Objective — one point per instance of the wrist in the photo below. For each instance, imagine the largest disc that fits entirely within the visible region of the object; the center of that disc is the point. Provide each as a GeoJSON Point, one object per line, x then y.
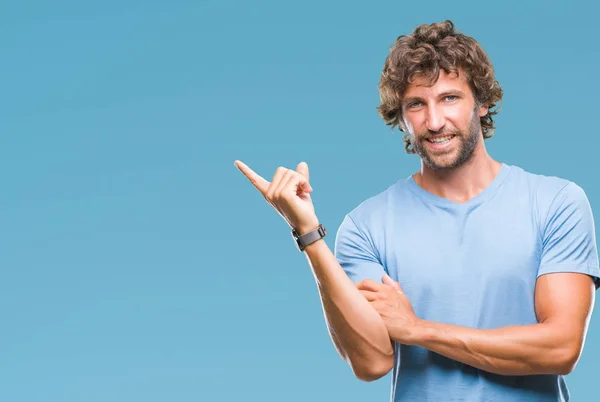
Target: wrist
{"type": "Point", "coordinates": [307, 226]}
{"type": "Point", "coordinates": [314, 246]}
{"type": "Point", "coordinates": [307, 234]}
{"type": "Point", "coordinates": [418, 333]}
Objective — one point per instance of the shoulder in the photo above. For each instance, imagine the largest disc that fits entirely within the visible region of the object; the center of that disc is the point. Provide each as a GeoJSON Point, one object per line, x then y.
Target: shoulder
{"type": "Point", "coordinates": [538, 182]}
{"type": "Point", "coordinates": [549, 192]}
{"type": "Point", "coordinates": [378, 207]}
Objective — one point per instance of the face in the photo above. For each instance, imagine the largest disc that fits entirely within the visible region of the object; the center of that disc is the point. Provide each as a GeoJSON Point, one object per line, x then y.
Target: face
{"type": "Point", "coordinates": [443, 121]}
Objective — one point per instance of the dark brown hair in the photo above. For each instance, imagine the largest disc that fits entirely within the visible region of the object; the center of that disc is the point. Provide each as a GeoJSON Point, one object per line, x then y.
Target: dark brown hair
{"type": "Point", "coordinates": [423, 53]}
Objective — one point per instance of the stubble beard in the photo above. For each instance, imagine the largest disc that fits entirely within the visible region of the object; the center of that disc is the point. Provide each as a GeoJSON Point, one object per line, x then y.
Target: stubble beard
{"type": "Point", "coordinates": [467, 143]}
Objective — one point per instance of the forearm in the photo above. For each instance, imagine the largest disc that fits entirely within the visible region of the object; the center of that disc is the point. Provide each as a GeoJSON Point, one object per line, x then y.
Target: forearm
{"type": "Point", "coordinates": [357, 331]}
{"type": "Point", "coordinates": [544, 348]}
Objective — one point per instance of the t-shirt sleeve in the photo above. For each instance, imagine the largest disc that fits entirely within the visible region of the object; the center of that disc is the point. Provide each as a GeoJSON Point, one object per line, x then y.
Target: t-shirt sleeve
{"type": "Point", "coordinates": [356, 254]}
{"type": "Point", "coordinates": [568, 235]}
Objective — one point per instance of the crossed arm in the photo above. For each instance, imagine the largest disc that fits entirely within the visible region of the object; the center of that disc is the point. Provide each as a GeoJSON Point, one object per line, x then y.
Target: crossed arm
{"type": "Point", "coordinates": [563, 303]}
{"type": "Point", "coordinates": [364, 318]}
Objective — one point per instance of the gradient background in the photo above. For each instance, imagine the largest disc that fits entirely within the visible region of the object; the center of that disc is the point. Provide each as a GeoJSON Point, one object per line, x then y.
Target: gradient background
{"type": "Point", "coordinates": [138, 264]}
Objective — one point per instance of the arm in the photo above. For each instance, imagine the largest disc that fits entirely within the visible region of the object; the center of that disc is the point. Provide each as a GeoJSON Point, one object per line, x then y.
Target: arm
{"type": "Point", "coordinates": [357, 331]}
{"type": "Point", "coordinates": [564, 299]}
{"type": "Point", "coordinates": [564, 302]}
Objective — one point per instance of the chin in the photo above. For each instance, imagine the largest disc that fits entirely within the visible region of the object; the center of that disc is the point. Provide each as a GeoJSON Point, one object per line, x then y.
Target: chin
{"type": "Point", "coordinates": [439, 167]}
{"type": "Point", "coordinates": [452, 161]}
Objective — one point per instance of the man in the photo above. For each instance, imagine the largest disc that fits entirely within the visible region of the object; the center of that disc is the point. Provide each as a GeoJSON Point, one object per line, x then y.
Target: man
{"type": "Point", "coordinates": [471, 280]}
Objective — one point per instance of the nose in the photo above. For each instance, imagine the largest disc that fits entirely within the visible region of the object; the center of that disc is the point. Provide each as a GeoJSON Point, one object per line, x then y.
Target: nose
{"type": "Point", "coordinates": [435, 119]}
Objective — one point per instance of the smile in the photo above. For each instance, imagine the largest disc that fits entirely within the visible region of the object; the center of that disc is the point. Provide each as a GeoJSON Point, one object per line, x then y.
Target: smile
{"type": "Point", "coordinates": [440, 140]}
{"type": "Point", "coordinates": [440, 143]}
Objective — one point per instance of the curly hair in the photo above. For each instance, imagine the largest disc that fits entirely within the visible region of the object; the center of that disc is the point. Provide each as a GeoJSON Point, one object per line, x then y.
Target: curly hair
{"type": "Point", "coordinates": [423, 53]}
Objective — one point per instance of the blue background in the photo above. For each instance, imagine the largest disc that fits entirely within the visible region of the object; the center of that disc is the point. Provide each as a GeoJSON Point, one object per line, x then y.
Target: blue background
{"type": "Point", "coordinates": [138, 264]}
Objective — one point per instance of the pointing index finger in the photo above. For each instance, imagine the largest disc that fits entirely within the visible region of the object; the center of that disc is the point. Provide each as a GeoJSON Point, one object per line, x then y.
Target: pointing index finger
{"type": "Point", "coordinates": [257, 181]}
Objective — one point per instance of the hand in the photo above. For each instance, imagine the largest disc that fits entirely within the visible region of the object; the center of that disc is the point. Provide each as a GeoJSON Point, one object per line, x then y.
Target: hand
{"type": "Point", "coordinates": [393, 306]}
{"type": "Point", "coordinates": [288, 193]}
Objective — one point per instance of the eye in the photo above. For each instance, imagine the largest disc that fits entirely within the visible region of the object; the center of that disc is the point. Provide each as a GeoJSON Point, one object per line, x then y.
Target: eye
{"type": "Point", "coordinates": [451, 98]}
{"type": "Point", "coordinates": [413, 105]}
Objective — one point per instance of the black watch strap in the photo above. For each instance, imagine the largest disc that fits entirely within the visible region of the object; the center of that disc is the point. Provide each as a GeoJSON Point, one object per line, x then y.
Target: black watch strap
{"type": "Point", "coordinates": [308, 238]}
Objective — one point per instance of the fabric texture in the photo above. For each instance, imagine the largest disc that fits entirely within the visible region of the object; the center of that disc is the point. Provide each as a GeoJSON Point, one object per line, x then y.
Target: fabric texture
{"type": "Point", "coordinates": [473, 264]}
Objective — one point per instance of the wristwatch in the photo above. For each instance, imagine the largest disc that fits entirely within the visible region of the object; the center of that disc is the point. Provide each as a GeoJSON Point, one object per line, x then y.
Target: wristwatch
{"type": "Point", "coordinates": [308, 238]}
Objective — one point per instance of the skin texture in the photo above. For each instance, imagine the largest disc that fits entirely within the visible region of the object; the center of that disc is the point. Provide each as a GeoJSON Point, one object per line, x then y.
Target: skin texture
{"type": "Point", "coordinates": [464, 168]}
{"type": "Point", "coordinates": [563, 304]}
{"type": "Point", "coordinates": [364, 318]}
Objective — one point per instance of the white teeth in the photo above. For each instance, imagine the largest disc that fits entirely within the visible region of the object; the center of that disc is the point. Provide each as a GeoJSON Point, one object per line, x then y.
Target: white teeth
{"type": "Point", "coordinates": [441, 139]}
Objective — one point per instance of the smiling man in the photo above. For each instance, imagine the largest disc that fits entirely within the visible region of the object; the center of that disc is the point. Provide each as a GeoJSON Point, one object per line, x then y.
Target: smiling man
{"type": "Point", "coordinates": [469, 280]}
{"type": "Point", "coordinates": [439, 133]}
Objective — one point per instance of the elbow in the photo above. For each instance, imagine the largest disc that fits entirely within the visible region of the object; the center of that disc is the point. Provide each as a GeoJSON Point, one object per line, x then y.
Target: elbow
{"type": "Point", "coordinates": [374, 370]}
{"type": "Point", "coordinates": [565, 368]}
{"type": "Point", "coordinates": [567, 364]}
{"type": "Point", "coordinates": [566, 359]}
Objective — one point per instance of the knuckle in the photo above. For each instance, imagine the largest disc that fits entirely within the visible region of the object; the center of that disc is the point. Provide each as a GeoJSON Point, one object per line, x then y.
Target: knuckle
{"type": "Point", "coordinates": [269, 194]}
{"type": "Point", "coordinates": [284, 196]}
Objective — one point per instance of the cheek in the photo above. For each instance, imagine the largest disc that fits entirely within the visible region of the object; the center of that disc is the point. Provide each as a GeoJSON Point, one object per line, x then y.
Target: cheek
{"type": "Point", "coordinates": [456, 114]}
{"type": "Point", "coordinates": [458, 121]}
{"type": "Point", "coordinates": [413, 122]}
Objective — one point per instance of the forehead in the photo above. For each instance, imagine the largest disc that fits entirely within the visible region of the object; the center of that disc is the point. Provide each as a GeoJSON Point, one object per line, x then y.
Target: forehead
{"type": "Point", "coordinates": [445, 82]}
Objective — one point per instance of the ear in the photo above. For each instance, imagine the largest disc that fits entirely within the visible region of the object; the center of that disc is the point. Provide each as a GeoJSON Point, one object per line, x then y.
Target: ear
{"type": "Point", "coordinates": [402, 124]}
{"type": "Point", "coordinates": [483, 110]}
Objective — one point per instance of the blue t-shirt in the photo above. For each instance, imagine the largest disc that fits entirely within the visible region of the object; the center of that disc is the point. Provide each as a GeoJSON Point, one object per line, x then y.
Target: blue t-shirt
{"type": "Point", "coordinates": [473, 264]}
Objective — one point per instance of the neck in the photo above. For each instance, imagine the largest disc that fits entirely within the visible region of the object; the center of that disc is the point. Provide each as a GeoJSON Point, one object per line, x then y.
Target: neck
{"type": "Point", "coordinates": [462, 183]}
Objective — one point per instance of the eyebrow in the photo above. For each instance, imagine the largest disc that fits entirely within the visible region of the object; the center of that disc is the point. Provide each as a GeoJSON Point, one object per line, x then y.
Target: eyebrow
{"type": "Point", "coordinates": [450, 92]}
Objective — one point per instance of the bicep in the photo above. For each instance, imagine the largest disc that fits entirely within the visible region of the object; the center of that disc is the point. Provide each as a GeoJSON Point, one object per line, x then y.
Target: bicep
{"type": "Point", "coordinates": [569, 271]}
{"type": "Point", "coordinates": [565, 299]}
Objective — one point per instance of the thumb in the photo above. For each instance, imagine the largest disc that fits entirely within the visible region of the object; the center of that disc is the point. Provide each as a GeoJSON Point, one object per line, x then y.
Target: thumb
{"type": "Point", "coordinates": [389, 281]}
{"type": "Point", "coordinates": [302, 168]}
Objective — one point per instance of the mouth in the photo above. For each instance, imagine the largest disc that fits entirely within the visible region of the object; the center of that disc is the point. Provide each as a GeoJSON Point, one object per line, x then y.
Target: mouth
{"type": "Point", "coordinates": [440, 141]}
